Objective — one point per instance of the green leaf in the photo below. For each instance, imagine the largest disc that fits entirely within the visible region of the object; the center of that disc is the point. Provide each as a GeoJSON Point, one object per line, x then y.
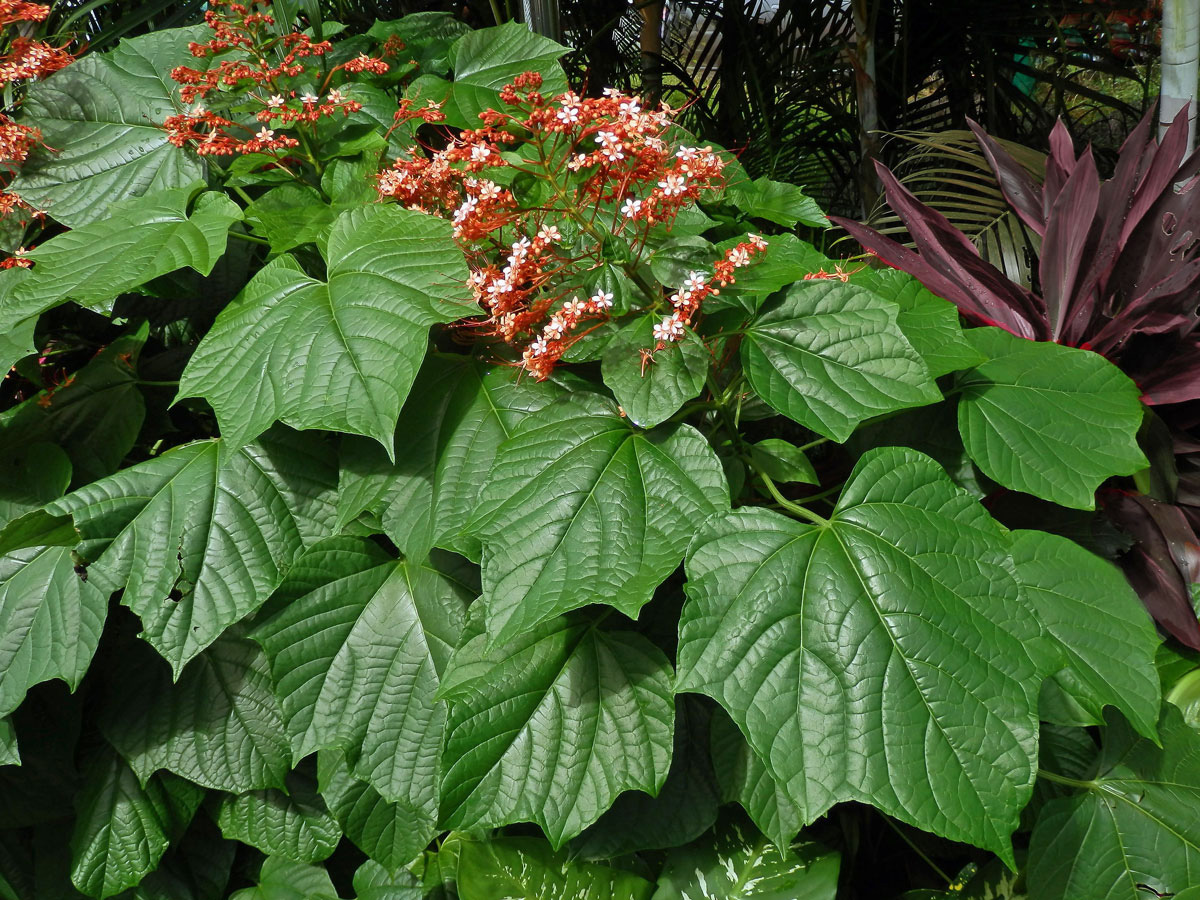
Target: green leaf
{"type": "Point", "coordinates": [678, 257]}
{"type": "Point", "coordinates": [929, 322]}
{"type": "Point", "coordinates": [1106, 637]}
{"type": "Point", "coordinates": [745, 780]}
{"type": "Point", "coordinates": [197, 867]}
{"type": "Point", "coordinates": [16, 342]}
{"type": "Point", "coordinates": [356, 340]}
{"type": "Point", "coordinates": [218, 726]}
{"type": "Point", "coordinates": [290, 215]}
{"type": "Point", "coordinates": [684, 809]}
{"type": "Point", "coordinates": [50, 620]}
{"type": "Point", "coordinates": [786, 260]}
{"type": "Point", "coordinates": [95, 417]}
{"type": "Point", "coordinates": [778, 202]}
{"type": "Point", "coordinates": [37, 528]}
{"type": "Point", "coordinates": [380, 829]}
{"type": "Point", "coordinates": [356, 654]}
{"type": "Point", "coordinates": [457, 415]}
{"type": "Point", "coordinates": [519, 868]}
{"type": "Point", "coordinates": [487, 59]}
{"type": "Point", "coordinates": [295, 825]}
{"type": "Point", "coordinates": [883, 657]}
{"type": "Point", "coordinates": [783, 461]}
{"type": "Point", "coordinates": [137, 243]}
{"type": "Point", "coordinates": [200, 536]}
{"type": "Point", "coordinates": [123, 828]}
{"type": "Point", "coordinates": [650, 390]}
{"type": "Point", "coordinates": [552, 726]}
{"type": "Point", "coordinates": [282, 879]}
{"type": "Point", "coordinates": [555, 489]}
{"type": "Point", "coordinates": [9, 754]}
{"type": "Point", "coordinates": [831, 355]}
{"type": "Point", "coordinates": [1136, 822]}
{"type": "Point", "coordinates": [102, 116]}
{"type": "Point", "coordinates": [373, 882]}
{"type": "Point", "coordinates": [1048, 420]}
{"type": "Point", "coordinates": [735, 863]}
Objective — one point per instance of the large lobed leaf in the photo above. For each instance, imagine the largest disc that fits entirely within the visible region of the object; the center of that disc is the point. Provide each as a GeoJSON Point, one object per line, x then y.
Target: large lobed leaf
{"type": "Point", "coordinates": [102, 115]}
{"type": "Point", "coordinates": [553, 725]}
{"type": "Point", "coordinates": [881, 657]}
{"type": "Point", "coordinates": [339, 354]}
{"type": "Point", "coordinates": [1049, 420]}
{"type": "Point", "coordinates": [582, 508]}
{"type": "Point", "coordinates": [200, 536]}
{"type": "Point", "coordinates": [831, 355]}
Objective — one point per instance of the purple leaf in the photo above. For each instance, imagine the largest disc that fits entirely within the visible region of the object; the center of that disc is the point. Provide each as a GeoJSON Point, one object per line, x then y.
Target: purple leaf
{"type": "Point", "coordinates": [1175, 380]}
{"type": "Point", "coordinates": [1023, 194]}
{"type": "Point", "coordinates": [1067, 230]}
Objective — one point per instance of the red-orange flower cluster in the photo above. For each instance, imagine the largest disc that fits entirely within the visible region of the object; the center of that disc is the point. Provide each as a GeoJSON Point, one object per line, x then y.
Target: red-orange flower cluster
{"type": "Point", "coordinates": [32, 59]}
{"type": "Point", "coordinates": [16, 140]}
{"type": "Point", "coordinates": [609, 173]}
{"type": "Point", "coordinates": [212, 135]}
{"type": "Point", "coordinates": [15, 11]}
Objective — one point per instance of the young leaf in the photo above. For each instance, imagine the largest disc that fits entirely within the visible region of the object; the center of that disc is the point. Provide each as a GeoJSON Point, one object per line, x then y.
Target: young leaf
{"type": "Point", "coordinates": [356, 656]}
{"type": "Point", "coordinates": [929, 322]}
{"type": "Point", "coordinates": [338, 354]}
{"type": "Point", "coordinates": [650, 390]}
{"type": "Point", "coordinates": [219, 726]}
{"type": "Point", "coordinates": [123, 828]}
{"type": "Point", "coordinates": [384, 831]}
{"type": "Point", "coordinates": [1136, 822]}
{"type": "Point", "coordinates": [294, 825]}
{"type": "Point", "coordinates": [778, 202]}
{"type": "Point", "coordinates": [101, 115]}
{"type": "Point", "coordinates": [831, 355]}
{"type": "Point", "coordinates": [556, 488]}
{"type": "Point", "coordinates": [1048, 420]}
{"type": "Point", "coordinates": [200, 536]}
{"type": "Point", "coordinates": [455, 418]}
{"type": "Point", "coordinates": [518, 868]}
{"type": "Point", "coordinates": [889, 617]}
{"type": "Point", "coordinates": [737, 864]}
{"type": "Point", "coordinates": [1106, 636]}
{"type": "Point", "coordinates": [282, 879]}
{"type": "Point", "coordinates": [141, 240]}
{"type": "Point", "coordinates": [51, 621]}
{"type": "Point", "coordinates": [552, 726]}
{"type": "Point", "coordinates": [783, 462]}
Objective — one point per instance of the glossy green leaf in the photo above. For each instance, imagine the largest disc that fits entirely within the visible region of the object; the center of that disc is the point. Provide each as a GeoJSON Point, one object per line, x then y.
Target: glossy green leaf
{"type": "Point", "coordinates": [356, 654]}
{"type": "Point", "coordinates": [557, 487]}
{"type": "Point", "coordinates": [137, 242]}
{"type": "Point", "coordinates": [929, 322]}
{"type": "Point", "coordinates": [487, 59]}
{"type": "Point", "coordinates": [831, 355]}
{"type": "Point", "coordinates": [16, 342]}
{"type": "Point", "coordinates": [295, 825]}
{"type": "Point", "coordinates": [457, 415]}
{"type": "Point", "coordinates": [290, 215]}
{"type": "Point", "coordinates": [218, 726]}
{"type": "Point", "coordinates": [881, 657]}
{"type": "Point", "coordinates": [50, 622]}
{"type": "Point", "coordinates": [778, 202]}
{"type": "Point", "coordinates": [373, 882]}
{"type": "Point", "coordinates": [95, 417]}
{"type": "Point", "coordinates": [651, 388]}
{"type": "Point", "coordinates": [282, 879]}
{"type": "Point", "coordinates": [782, 461]}
{"type": "Point", "coordinates": [9, 753]}
{"type": "Point", "coordinates": [200, 536]}
{"type": "Point", "coordinates": [786, 260]}
{"type": "Point", "coordinates": [1105, 634]}
{"type": "Point", "coordinates": [339, 354]}
{"type": "Point", "coordinates": [1049, 420]}
{"type": "Point", "coordinates": [102, 116]}
{"type": "Point", "coordinates": [123, 828]}
{"type": "Point", "coordinates": [744, 779]}
{"type": "Point", "coordinates": [552, 726]}
{"type": "Point", "coordinates": [736, 863]}
{"type": "Point", "coordinates": [517, 868]}
{"type": "Point", "coordinates": [384, 831]}
{"type": "Point", "coordinates": [1135, 822]}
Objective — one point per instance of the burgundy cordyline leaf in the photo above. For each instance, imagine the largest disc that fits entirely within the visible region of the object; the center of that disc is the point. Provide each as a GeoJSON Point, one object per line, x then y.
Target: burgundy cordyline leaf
{"type": "Point", "coordinates": [1067, 229]}
{"type": "Point", "coordinates": [1021, 191]}
{"type": "Point", "coordinates": [1175, 380]}
{"type": "Point", "coordinates": [1162, 172]}
{"type": "Point", "coordinates": [1059, 165]}
{"type": "Point", "coordinates": [1168, 306]}
{"type": "Point", "coordinates": [1165, 560]}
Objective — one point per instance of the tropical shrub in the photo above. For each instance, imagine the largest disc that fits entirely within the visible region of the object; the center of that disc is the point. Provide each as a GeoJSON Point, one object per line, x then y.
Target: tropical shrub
{"type": "Point", "coordinates": [427, 481]}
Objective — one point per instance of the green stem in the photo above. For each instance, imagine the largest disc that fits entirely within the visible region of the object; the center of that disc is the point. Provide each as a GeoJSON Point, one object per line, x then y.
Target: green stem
{"type": "Point", "coordinates": [788, 504]}
{"type": "Point", "coordinates": [254, 239]}
{"type": "Point", "coordinates": [158, 383]}
{"type": "Point", "coordinates": [1063, 779]}
{"type": "Point", "coordinates": [921, 853]}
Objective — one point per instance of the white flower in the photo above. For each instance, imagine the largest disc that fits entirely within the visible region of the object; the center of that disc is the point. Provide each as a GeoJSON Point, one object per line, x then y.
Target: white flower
{"type": "Point", "coordinates": [336, 96]}
{"type": "Point", "coordinates": [538, 347]}
{"type": "Point", "coordinates": [489, 191]}
{"type": "Point", "coordinates": [308, 97]}
{"type": "Point", "coordinates": [602, 300]}
{"type": "Point", "coordinates": [687, 154]}
{"type": "Point", "coordinates": [673, 185]}
{"type": "Point", "coordinates": [739, 256]}
{"type": "Point", "coordinates": [631, 208]}
{"type": "Point", "coordinates": [265, 134]}
{"type": "Point", "coordinates": [275, 100]}
{"type": "Point", "coordinates": [669, 329]}
{"type": "Point", "coordinates": [554, 329]}
{"type": "Point", "coordinates": [549, 234]}
{"type": "Point", "coordinates": [630, 107]}
{"type": "Point", "coordinates": [758, 242]}
{"type": "Point", "coordinates": [574, 308]}
{"type": "Point", "coordinates": [695, 281]}
{"type": "Point", "coordinates": [468, 207]}
{"type": "Point", "coordinates": [480, 153]}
